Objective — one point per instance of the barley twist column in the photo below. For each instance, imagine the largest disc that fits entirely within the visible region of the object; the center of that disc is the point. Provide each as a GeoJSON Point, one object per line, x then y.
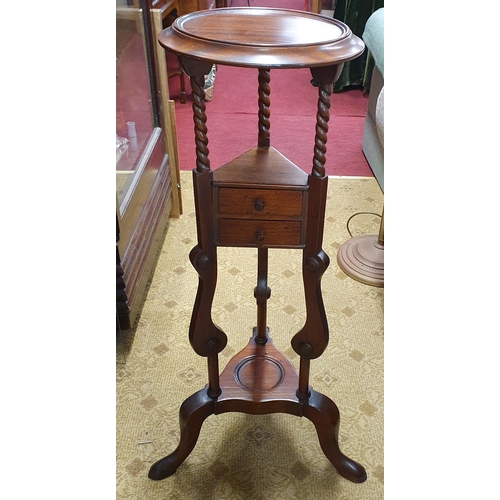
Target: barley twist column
{"type": "Point", "coordinates": [200, 120]}
{"type": "Point", "coordinates": [264, 110]}
{"type": "Point", "coordinates": [322, 118]}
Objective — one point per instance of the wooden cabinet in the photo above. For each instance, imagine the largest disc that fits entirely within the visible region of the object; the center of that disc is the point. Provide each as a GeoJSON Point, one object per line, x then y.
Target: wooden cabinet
{"type": "Point", "coordinates": [188, 6]}
{"type": "Point", "coordinates": [147, 170]}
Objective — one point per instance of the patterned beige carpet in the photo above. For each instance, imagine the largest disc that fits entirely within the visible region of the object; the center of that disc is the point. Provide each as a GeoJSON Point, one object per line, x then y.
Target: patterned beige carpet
{"type": "Point", "coordinates": [247, 457]}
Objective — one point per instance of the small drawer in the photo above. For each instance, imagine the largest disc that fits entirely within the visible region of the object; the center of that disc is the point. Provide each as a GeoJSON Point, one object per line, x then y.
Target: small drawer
{"type": "Point", "coordinates": [261, 203]}
{"type": "Point", "coordinates": [247, 232]}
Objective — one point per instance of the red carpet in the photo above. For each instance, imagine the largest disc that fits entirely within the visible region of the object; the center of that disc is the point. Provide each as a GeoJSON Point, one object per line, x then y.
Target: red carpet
{"type": "Point", "coordinates": [232, 120]}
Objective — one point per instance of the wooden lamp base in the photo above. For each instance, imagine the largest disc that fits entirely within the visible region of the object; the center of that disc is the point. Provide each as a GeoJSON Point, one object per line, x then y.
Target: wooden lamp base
{"type": "Point", "coordinates": [362, 258]}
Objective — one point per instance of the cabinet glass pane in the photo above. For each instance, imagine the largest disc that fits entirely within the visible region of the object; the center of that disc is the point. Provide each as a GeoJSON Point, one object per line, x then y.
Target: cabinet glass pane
{"type": "Point", "coordinates": [134, 115]}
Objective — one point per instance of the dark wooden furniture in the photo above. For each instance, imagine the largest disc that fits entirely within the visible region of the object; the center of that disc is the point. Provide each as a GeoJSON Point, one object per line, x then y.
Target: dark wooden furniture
{"type": "Point", "coordinates": [152, 193]}
{"type": "Point", "coordinates": [168, 10]}
{"type": "Point", "coordinates": [262, 200]}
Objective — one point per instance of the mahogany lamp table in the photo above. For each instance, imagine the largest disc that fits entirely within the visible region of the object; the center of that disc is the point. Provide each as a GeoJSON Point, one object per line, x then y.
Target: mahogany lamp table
{"type": "Point", "coordinates": [260, 200]}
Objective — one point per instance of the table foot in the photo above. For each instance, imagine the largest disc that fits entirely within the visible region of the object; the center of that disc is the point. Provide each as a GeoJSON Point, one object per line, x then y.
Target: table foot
{"type": "Point", "coordinates": [192, 414]}
{"type": "Point", "coordinates": [324, 414]}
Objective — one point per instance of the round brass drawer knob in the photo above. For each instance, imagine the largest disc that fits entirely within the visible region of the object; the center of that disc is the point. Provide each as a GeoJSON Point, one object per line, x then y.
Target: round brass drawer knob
{"type": "Point", "coordinates": [259, 236]}
{"type": "Point", "coordinates": [259, 204]}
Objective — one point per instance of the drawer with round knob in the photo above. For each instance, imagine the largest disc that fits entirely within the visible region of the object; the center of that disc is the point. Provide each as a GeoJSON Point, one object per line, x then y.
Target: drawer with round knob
{"type": "Point", "coordinates": [269, 233]}
{"type": "Point", "coordinates": [260, 203]}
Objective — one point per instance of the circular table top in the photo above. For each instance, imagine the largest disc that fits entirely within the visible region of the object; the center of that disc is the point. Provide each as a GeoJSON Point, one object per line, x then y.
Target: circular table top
{"type": "Point", "coordinates": [262, 37]}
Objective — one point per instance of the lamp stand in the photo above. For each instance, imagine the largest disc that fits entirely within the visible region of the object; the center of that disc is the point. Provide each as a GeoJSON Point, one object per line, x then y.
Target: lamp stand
{"type": "Point", "coordinates": [362, 258]}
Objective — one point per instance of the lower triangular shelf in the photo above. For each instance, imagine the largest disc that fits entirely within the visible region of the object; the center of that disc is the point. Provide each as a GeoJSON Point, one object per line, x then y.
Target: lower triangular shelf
{"type": "Point", "coordinates": [258, 380]}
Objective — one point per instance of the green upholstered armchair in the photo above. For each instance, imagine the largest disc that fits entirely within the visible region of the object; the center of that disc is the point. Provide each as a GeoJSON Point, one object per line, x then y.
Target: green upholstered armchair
{"type": "Point", "coordinates": [372, 143]}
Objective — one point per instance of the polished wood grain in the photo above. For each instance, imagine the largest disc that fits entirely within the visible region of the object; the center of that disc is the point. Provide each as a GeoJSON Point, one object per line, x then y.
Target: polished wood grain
{"type": "Point", "coordinates": [260, 380]}
{"type": "Point", "coordinates": [261, 203]}
{"type": "Point", "coordinates": [262, 38]}
{"type": "Point", "coordinates": [262, 200]}
{"type": "Point", "coordinates": [254, 233]}
{"type": "Point", "coordinates": [263, 167]}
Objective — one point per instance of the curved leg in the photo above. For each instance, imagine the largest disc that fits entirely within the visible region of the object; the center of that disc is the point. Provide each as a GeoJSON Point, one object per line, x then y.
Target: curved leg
{"type": "Point", "coordinates": [324, 414]}
{"type": "Point", "coordinates": [192, 414]}
{"type": "Point", "coordinates": [311, 341]}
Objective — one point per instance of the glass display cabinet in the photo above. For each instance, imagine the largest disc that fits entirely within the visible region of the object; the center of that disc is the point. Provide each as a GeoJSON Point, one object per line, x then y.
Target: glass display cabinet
{"type": "Point", "coordinates": [147, 170]}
